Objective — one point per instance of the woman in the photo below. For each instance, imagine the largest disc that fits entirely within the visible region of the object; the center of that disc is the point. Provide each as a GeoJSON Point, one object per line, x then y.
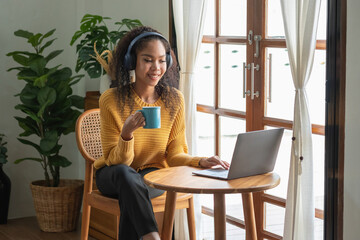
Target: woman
{"type": "Point", "coordinates": [130, 151]}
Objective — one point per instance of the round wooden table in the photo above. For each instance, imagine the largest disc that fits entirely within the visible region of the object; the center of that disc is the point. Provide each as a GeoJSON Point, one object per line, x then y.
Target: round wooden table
{"type": "Point", "coordinates": [181, 179]}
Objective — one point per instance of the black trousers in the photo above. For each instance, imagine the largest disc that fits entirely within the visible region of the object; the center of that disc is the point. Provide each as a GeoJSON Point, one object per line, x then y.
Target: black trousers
{"type": "Point", "coordinates": [124, 183]}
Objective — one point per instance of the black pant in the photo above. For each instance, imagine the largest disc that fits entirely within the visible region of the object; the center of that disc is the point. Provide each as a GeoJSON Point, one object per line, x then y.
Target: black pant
{"type": "Point", "coordinates": [136, 212]}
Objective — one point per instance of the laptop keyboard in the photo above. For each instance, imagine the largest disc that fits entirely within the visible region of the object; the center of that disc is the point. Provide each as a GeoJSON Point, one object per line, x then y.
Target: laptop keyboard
{"type": "Point", "coordinates": [218, 172]}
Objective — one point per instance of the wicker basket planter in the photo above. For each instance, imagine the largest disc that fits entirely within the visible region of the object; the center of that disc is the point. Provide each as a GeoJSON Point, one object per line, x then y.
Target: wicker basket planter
{"type": "Point", "coordinates": [57, 208]}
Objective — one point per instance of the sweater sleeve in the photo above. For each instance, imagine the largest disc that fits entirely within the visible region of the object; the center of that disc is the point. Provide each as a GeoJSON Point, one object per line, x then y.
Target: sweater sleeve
{"type": "Point", "coordinates": [115, 149]}
{"type": "Point", "coordinates": [177, 150]}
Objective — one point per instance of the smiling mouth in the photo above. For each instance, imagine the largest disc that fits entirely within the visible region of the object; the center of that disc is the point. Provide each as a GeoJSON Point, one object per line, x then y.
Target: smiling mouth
{"type": "Point", "coordinates": [154, 76]}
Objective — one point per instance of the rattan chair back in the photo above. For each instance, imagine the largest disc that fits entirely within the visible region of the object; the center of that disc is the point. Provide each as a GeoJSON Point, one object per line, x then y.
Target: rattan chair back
{"type": "Point", "coordinates": [89, 143]}
{"type": "Point", "coordinates": [88, 137]}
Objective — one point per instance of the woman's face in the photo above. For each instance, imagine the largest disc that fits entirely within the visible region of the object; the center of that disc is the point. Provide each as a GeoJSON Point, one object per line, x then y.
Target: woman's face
{"type": "Point", "coordinates": [150, 63]}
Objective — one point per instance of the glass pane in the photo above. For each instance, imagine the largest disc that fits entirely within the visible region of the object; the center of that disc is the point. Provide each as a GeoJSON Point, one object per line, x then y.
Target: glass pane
{"type": "Point", "coordinates": [232, 58]}
{"type": "Point", "coordinates": [274, 219]}
{"type": "Point", "coordinates": [204, 81]}
{"type": "Point", "coordinates": [275, 23]}
{"type": "Point", "coordinates": [321, 31]}
{"type": "Point", "coordinates": [206, 131]}
{"type": "Point", "coordinates": [275, 216]}
{"type": "Point", "coordinates": [319, 166]}
{"type": "Point", "coordinates": [316, 88]}
{"type": "Point", "coordinates": [233, 18]}
{"type": "Point", "coordinates": [209, 24]}
{"type": "Point", "coordinates": [282, 165]}
{"type": "Point", "coordinates": [282, 94]}
{"type": "Point", "coordinates": [229, 128]}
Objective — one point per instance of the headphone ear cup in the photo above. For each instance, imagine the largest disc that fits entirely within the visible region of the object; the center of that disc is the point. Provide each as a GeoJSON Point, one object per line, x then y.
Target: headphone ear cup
{"type": "Point", "coordinates": [169, 60]}
{"type": "Point", "coordinates": [129, 62]}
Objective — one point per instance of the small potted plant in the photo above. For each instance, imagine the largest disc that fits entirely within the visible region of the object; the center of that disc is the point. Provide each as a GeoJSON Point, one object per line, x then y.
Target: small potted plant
{"type": "Point", "coordinates": [5, 183]}
{"type": "Point", "coordinates": [50, 110]}
{"type": "Point", "coordinates": [96, 45]}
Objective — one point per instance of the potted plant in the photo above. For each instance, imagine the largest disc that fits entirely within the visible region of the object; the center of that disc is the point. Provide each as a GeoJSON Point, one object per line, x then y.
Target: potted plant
{"type": "Point", "coordinates": [51, 110]}
{"type": "Point", "coordinates": [97, 43]}
{"type": "Point", "coordinates": [5, 183]}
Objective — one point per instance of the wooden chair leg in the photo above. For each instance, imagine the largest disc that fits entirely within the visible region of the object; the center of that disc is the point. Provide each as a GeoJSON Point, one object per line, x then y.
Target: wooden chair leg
{"type": "Point", "coordinates": [191, 219]}
{"type": "Point", "coordinates": [85, 221]}
{"type": "Point", "coordinates": [169, 215]}
{"type": "Point", "coordinates": [117, 228]}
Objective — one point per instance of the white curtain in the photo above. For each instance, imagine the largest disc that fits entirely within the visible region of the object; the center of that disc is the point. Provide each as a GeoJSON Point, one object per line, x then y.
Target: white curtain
{"type": "Point", "coordinates": [300, 22]}
{"type": "Point", "coordinates": [189, 16]}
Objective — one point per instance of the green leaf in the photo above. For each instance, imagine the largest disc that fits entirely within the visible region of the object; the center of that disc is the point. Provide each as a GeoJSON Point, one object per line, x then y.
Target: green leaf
{"type": "Point", "coordinates": [28, 111]}
{"type": "Point", "coordinates": [49, 141]}
{"type": "Point", "coordinates": [28, 125]}
{"type": "Point", "coordinates": [46, 95]}
{"type": "Point", "coordinates": [28, 95]}
{"type": "Point", "coordinates": [59, 161]}
{"type": "Point", "coordinates": [27, 142]}
{"type": "Point", "coordinates": [62, 74]}
{"type": "Point", "coordinates": [32, 159]}
{"type": "Point", "coordinates": [34, 40]}
{"type": "Point", "coordinates": [77, 101]}
{"type": "Point", "coordinates": [75, 79]}
{"type": "Point", "coordinates": [16, 68]}
{"type": "Point", "coordinates": [27, 74]}
{"type": "Point", "coordinates": [63, 91]}
{"type": "Point", "coordinates": [21, 60]}
{"type": "Point", "coordinates": [60, 108]}
{"type": "Point", "coordinates": [48, 34]}
{"type": "Point", "coordinates": [48, 43]}
{"type": "Point", "coordinates": [21, 53]}
{"type": "Point", "coordinates": [41, 81]}
{"type": "Point", "coordinates": [89, 21]}
{"type": "Point", "coordinates": [54, 150]}
{"type": "Point", "coordinates": [73, 116]}
{"type": "Point", "coordinates": [79, 65]}
{"type": "Point", "coordinates": [23, 33]}
{"type": "Point", "coordinates": [53, 55]}
{"type": "Point", "coordinates": [76, 35]}
{"type": "Point", "coordinates": [93, 69]}
{"type": "Point", "coordinates": [86, 53]}
{"type": "Point", "coordinates": [38, 64]}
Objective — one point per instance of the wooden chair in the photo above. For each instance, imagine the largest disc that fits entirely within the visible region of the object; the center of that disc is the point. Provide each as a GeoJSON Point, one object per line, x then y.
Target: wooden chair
{"type": "Point", "coordinates": [89, 144]}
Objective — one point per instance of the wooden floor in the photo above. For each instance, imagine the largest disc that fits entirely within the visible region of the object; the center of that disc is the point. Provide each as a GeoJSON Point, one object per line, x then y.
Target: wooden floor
{"type": "Point", "coordinates": [28, 229]}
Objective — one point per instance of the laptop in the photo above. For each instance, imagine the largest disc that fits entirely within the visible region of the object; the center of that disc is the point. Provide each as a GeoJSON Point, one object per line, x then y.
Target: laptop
{"type": "Point", "coordinates": [254, 153]}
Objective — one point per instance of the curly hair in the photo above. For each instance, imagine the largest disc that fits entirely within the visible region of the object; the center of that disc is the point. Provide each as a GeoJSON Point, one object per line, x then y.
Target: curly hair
{"type": "Point", "coordinates": [166, 85]}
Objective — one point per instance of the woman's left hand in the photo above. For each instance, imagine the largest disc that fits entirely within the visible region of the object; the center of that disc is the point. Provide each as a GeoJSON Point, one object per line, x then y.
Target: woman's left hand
{"type": "Point", "coordinates": [213, 161]}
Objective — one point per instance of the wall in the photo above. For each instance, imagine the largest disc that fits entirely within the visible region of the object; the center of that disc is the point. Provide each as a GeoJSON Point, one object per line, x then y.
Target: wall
{"type": "Point", "coordinates": [352, 127]}
{"type": "Point", "coordinates": [42, 16]}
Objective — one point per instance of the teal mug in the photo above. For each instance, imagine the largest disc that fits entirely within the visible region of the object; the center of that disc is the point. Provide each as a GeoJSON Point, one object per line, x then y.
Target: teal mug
{"type": "Point", "coordinates": [152, 117]}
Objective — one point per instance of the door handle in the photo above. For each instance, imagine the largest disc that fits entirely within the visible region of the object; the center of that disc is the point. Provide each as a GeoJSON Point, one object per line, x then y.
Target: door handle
{"type": "Point", "coordinates": [257, 39]}
{"type": "Point", "coordinates": [245, 68]}
{"type": "Point", "coordinates": [270, 78]}
{"type": "Point", "coordinates": [252, 92]}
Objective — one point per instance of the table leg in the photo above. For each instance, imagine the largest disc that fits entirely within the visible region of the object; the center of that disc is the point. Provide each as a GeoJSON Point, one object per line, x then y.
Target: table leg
{"type": "Point", "coordinates": [219, 216]}
{"type": "Point", "coordinates": [169, 215]}
{"type": "Point", "coordinates": [249, 215]}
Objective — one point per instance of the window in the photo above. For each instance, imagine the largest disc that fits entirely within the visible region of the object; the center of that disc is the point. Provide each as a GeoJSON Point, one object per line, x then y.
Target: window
{"type": "Point", "coordinates": [239, 35]}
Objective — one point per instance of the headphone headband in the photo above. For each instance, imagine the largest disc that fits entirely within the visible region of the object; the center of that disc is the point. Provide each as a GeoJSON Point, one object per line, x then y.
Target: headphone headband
{"type": "Point", "coordinates": [129, 60]}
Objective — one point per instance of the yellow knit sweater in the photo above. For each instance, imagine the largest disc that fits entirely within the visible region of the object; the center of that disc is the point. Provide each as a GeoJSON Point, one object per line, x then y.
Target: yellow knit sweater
{"type": "Point", "coordinates": [159, 148]}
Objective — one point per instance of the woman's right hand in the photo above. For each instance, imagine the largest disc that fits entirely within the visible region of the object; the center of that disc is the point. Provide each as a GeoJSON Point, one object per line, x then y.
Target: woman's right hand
{"type": "Point", "coordinates": [133, 122]}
